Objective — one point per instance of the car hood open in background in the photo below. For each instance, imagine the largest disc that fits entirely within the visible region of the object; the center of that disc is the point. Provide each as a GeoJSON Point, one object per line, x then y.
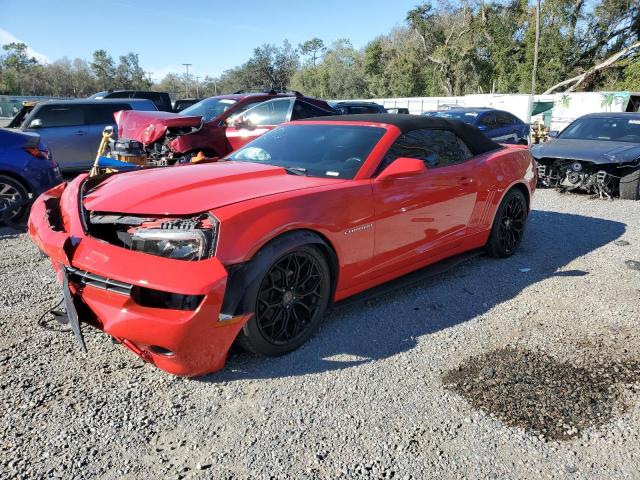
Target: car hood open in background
{"type": "Point", "coordinates": [147, 127]}
{"type": "Point", "coordinates": [190, 189]}
{"type": "Point", "coordinates": [596, 151]}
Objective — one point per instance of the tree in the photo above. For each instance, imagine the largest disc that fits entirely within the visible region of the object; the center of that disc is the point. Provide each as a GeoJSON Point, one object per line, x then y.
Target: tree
{"type": "Point", "coordinates": [447, 42]}
{"type": "Point", "coordinates": [312, 49]}
{"type": "Point", "coordinates": [271, 66]}
{"type": "Point", "coordinates": [172, 83]}
{"type": "Point", "coordinates": [17, 57]}
{"type": "Point", "coordinates": [129, 74]}
{"type": "Point", "coordinates": [104, 69]}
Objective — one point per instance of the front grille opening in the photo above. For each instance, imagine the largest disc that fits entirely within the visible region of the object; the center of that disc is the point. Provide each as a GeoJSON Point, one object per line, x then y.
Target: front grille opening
{"type": "Point", "coordinates": [145, 297]}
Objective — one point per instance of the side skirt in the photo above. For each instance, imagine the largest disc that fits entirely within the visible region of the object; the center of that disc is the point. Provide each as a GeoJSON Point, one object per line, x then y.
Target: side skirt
{"type": "Point", "coordinates": [410, 278]}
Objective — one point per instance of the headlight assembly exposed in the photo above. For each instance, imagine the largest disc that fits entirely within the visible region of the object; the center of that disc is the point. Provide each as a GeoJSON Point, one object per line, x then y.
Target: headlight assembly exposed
{"type": "Point", "coordinates": [177, 238]}
{"type": "Point", "coordinates": [179, 244]}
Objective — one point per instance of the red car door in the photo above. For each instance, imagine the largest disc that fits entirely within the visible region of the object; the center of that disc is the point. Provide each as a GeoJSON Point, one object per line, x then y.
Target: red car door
{"type": "Point", "coordinates": [425, 215]}
{"type": "Point", "coordinates": [258, 120]}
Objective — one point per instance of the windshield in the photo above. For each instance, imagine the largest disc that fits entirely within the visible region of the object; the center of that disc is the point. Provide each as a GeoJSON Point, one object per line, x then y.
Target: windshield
{"type": "Point", "coordinates": [209, 108]}
{"type": "Point", "coordinates": [315, 150]}
{"type": "Point", "coordinates": [464, 116]}
{"type": "Point", "coordinates": [616, 129]}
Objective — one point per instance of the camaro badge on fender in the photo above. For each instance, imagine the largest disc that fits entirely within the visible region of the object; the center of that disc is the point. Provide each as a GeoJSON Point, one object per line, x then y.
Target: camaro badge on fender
{"type": "Point", "coordinates": [359, 228]}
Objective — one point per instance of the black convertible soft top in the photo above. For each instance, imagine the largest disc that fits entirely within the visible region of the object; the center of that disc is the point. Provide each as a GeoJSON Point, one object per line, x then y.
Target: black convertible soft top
{"type": "Point", "coordinates": [473, 137]}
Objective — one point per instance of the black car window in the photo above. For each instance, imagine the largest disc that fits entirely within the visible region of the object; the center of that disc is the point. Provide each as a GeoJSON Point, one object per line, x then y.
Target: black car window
{"type": "Point", "coordinates": [489, 120]}
{"type": "Point", "coordinates": [504, 119]}
{"type": "Point", "coordinates": [103, 114]}
{"type": "Point", "coordinates": [272, 112]}
{"type": "Point", "coordinates": [60, 115]}
{"type": "Point", "coordinates": [355, 109]}
{"type": "Point", "coordinates": [302, 109]}
{"type": "Point", "coordinates": [161, 101]}
{"type": "Point", "coordinates": [619, 129]}
{"type": "Point", "coordinates": [437, 148]}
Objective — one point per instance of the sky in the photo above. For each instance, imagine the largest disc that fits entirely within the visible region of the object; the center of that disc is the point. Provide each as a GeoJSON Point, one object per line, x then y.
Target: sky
{"type": "Point", "coordinates": [211, 35]}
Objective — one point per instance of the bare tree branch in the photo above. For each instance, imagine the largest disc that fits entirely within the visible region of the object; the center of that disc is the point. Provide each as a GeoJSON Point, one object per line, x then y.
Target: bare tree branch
{"type": "Point", "coordinates": [578, 79]}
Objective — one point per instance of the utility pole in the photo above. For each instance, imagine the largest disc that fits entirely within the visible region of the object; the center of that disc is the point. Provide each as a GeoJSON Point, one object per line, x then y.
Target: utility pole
{"type": "Point", "coordinates": [534, 72]}
{"type": "Point", "coordinates": [197, 89]}
{"type": "Point", "coordinates": [186, 83]}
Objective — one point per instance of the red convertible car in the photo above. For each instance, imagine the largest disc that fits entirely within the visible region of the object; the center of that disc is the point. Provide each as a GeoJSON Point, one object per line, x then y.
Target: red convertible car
{"type": "Point", "coordinates": [177, 264]}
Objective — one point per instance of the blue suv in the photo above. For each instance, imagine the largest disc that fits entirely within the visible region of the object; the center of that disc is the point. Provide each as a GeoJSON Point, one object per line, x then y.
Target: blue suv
{"type": "Point", "coordinates": [498, 125]}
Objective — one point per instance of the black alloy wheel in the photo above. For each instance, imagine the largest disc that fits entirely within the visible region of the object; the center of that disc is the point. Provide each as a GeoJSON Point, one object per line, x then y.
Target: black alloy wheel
{"type": "Point", "coordinates": [508, 226]}
{"type": "Point", "coordinates": [289, 303]}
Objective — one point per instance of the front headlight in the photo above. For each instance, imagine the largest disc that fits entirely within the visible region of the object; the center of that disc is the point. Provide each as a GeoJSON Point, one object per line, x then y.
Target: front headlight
{"type": "Point", "coordinates": [180, 239]}
{"type": "Point", "coordinates": [181, 245]}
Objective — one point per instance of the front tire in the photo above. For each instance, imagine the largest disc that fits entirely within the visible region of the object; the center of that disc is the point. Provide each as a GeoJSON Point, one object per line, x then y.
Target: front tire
{"type": "Point", "coordinates": [630, 186]}
{"type": "Point", "coordinates": [289, 302]}
{"type": "Point", "coordinates": [508, 225]}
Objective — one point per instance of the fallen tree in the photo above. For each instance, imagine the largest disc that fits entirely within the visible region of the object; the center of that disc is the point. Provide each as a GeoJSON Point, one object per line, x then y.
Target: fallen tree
{"type": "Point", "coordinates": [609, 62]}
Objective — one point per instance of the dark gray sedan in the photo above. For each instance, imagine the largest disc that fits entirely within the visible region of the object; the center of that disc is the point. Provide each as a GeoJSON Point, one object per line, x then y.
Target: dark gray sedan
{"type": "Point", "coordinates": [598, 153]}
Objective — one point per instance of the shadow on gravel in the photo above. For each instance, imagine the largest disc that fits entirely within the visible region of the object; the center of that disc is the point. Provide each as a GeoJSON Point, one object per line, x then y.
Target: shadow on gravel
{"type": "Point", "coordinates": [534, 391]}
{"type": "Point", "coordinates": [390, 324]}
{"type": "Point", "coordinates": [11, 232]}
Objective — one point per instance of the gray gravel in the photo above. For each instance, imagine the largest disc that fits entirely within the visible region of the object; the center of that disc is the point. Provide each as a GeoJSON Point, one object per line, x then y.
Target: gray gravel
{"type": "Point", "coordinates": [372, 395]}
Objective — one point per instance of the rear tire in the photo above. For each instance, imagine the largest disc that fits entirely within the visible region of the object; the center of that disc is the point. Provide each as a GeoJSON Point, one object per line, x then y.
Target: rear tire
{"type": "Point", "coordinates": [630, 186]}
{"type": "Point", "coordinates": [13, 192]}
{"type": "Point", "coordinates": [508, 226]}
{"type": "Point", "coordinates": [289, 302]}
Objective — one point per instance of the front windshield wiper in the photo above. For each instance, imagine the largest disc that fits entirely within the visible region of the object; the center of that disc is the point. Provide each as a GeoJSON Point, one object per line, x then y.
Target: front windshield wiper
{"type": "Point", "coordinates": [296, 170]}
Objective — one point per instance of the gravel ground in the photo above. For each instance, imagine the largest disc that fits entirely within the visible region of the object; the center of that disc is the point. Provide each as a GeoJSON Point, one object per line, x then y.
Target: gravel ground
{"type": "Point", "coordinates": [517, 368]}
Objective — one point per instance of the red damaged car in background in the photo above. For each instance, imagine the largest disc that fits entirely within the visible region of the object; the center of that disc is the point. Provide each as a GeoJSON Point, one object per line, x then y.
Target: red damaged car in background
{"type": "Point", "coordinates": [177, 264]}
{"type": "Point", "coordinates": [214, 126]}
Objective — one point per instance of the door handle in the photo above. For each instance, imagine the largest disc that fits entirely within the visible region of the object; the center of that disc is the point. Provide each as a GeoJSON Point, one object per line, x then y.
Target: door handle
{"type": "Point", "coordinates": [465, 181]}
{"type": "Point", "coordinates": [80, 132]}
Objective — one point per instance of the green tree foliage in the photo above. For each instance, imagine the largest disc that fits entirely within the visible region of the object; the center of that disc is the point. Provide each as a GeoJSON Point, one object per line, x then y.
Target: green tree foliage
{"type": "Point", "coordinates": [104, 69]}
{"type": "Point", "coordinates": [312, 50]}
{"type": "Point", "coordinates": [445, 47]}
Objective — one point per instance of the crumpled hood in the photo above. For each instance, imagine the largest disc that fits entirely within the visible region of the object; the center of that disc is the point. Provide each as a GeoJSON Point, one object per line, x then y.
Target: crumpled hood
{"type": "Point", "coordinates": [596, 151]}
{"type": "Point", "coordinates": [190, 189]}
{"type": "Point", "coordinates": [147, 127]}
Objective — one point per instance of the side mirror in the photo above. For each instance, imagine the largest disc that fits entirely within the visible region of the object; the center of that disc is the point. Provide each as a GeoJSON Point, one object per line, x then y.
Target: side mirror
{"type": "Point", "coordinates": [35, 123]}
{"type": "Point", "coordinates": [553, 133]}
{"type": "Point", "coordinates": [402, 167]}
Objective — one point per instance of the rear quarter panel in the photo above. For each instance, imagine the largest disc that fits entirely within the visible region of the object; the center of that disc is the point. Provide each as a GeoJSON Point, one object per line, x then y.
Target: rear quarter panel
{"type": "Point", "coordinates": [498, 172]}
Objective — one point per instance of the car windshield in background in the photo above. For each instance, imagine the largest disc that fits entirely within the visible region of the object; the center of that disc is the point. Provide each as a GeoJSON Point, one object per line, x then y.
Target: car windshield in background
{"type": "Point", "coordinates": [315, 150]}
{"type": "Point", "coordinates": [209, 108]}
{"type": "Point", "coordinates": [616, 129]}
{"type": "Point", "coordinates": [466, 117]}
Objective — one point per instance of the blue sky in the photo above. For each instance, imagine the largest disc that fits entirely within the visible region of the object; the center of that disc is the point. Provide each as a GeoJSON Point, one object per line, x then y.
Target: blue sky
{"type": "Point", "coordinates": [212, 35]}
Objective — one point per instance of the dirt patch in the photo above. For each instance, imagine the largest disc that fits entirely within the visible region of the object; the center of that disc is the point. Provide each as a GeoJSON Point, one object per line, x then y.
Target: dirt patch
{"type": "Point", "coordinates": [535, 391]}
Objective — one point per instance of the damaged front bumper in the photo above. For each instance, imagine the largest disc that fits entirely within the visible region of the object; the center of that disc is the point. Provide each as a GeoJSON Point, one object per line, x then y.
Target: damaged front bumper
{"type": "Point", "coordinates": [166, 311]}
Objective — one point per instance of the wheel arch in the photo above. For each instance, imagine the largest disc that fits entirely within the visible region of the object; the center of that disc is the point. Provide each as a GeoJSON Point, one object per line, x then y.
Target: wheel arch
{"type": "Point", "coordinates": [525, 191]}
{"type": "Point", "coordinates": [517, 185]}
{"type": "Point", "coordinates": [245, 277]}
{"type": "Point", "coordinates": [23, 181]}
